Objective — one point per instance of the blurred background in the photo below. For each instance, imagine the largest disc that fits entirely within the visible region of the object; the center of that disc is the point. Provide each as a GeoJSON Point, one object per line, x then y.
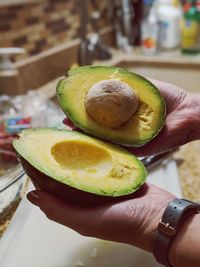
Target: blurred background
{"type": "Point", "coordinates": [41, 39]}
{"type": "Point", "coordinates": [42, 32]}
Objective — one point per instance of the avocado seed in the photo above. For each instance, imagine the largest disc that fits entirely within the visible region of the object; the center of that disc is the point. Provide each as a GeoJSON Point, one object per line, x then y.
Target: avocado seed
{"type": "Point", "coordinates": [111, 103]}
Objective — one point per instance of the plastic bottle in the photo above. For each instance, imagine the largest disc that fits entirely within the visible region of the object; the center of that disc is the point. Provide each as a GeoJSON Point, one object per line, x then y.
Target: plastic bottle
{"type": "Point", "coordinates": [169, 16]}
{"type": "Point", "coordinates": [190, 42]}
{"type": "Point", "coordinates": [149, 32]}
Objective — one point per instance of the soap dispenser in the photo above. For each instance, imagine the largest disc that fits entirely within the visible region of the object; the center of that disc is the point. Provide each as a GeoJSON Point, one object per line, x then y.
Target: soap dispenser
{"type": "Point", "coordinates": [169, 16]}
{"type": "Point", "coordinates": [149, 30]}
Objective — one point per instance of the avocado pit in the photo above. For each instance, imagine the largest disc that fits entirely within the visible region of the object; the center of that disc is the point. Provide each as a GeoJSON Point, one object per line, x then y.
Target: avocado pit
{"type": "Point", "coordinates": [111, 103]}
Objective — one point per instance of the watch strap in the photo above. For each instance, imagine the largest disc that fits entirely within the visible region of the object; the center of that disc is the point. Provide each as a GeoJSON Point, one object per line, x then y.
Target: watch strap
{"type": "Point", "coordinates": [177, 211]}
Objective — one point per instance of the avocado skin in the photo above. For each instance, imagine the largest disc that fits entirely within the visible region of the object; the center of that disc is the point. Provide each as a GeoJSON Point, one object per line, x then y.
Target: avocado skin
{"type": "Point", "coordinates": [65, 192]}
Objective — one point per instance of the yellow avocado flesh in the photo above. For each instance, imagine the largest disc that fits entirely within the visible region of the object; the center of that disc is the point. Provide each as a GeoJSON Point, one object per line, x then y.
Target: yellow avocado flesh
{"type": "Point", "coordinates": [80, 161]}
{"type": "Point", "coordinates": [143, 125]}
{"type": "Point", "coordinates": [82, 157]}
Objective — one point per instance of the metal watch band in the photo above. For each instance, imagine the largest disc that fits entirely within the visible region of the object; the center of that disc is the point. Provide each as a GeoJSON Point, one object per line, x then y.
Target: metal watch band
{"type": "Point", "coordinates": [177, 211]}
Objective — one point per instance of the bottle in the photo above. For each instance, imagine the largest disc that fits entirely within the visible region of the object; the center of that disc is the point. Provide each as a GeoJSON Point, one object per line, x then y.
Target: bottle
{"type": "Point", "coordinates": [149, 32]}
{"type": "Point", "coordinates": [190, 27]}
{"type": "Point", "coordinates": [169, 16]}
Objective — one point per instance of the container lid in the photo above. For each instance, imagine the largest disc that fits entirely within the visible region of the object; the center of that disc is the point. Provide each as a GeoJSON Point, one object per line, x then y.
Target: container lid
{"type": "Point", "coordinates": [192, 12]}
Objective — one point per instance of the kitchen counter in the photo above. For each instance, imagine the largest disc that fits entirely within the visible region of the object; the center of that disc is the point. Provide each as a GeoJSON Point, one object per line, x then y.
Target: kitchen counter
{"type": "Point", "coordinates": [187, 159]}
{"type": "Point", "coordinates": [163, 57]}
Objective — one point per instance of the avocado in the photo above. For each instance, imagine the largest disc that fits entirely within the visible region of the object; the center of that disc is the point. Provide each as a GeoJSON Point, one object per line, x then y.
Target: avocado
{"type": "Point", "coordinates": [112, 104]}
{"type": "Point", "coordinates": [71, 165]}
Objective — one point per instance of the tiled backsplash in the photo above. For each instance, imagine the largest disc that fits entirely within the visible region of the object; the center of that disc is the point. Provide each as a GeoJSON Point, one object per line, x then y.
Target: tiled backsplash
{"type": "Point", "coordinates": [39, 26]}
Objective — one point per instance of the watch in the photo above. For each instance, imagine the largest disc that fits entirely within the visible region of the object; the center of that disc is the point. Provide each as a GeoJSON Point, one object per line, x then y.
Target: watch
{"type": "Point", "coordinates": [175, 214]}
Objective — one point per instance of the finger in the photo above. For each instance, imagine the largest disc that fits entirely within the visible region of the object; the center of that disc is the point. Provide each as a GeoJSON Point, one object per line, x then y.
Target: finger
{"type": "Point", "coordinates": [172, 94]}
{"type": "Point", "coordinates": [69, 123]}
{"type": "Point", "coordinates": [169, 138]}
{"type": "Point", "coordinates": [159, 144]}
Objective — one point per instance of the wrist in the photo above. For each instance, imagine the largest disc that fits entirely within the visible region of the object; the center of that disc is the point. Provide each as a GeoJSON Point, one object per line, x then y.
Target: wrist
{"type": "Point", "coordinates": [156, 215]}
{"type": "Point", "coordinates": [150, 213]}
{"type": "Point", "coordinates": [184, 250]}
{"type": "Point", "coordinates": [177, 239]}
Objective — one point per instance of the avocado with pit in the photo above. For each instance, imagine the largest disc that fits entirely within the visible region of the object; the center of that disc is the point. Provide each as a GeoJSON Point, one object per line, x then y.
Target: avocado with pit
{"type": "Point", "coordinates": [112, 104]}
{"type": "Point", "coordinates": [74, 166]}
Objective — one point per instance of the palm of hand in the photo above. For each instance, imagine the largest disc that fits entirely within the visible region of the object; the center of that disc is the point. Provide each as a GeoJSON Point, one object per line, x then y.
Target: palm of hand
{"type": "Point", "coordinates": [132, 220]}
{"type": "Point", "coordinates": [176, 131]}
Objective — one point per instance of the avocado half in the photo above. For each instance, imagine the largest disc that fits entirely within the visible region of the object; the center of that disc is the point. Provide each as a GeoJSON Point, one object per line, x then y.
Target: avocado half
{"type": "Point", "coordinates": [142, 126]}
{"type": "Point", "coordinates": [77, 167]}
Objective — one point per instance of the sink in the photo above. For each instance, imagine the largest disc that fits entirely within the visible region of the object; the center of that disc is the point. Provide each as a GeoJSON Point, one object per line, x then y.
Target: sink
{"type": "Point", "coordinates": [183, 75]}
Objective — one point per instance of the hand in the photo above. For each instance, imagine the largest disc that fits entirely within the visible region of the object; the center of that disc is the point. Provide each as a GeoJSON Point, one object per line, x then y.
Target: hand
{"type": "Point", "coordinates": [181, 125]}
{"type": "Point", "coordinates": [182, 121]}
{"type": "Point", "coordinates": [132, 220]}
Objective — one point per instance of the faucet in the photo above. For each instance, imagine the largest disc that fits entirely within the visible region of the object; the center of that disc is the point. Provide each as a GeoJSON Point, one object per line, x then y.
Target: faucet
{"type": "Point", "coordinates": [91, 47]}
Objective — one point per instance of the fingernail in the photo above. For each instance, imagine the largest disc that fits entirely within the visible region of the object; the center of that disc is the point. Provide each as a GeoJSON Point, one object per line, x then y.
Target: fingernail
{"type": "Point", "coordinates": [33, 198]}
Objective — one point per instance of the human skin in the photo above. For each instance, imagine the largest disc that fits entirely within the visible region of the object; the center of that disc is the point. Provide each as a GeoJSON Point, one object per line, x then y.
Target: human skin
{"type": "Point", "coordinates": [182, 120]}
{"type": "Point", "coordinates": [185, 248]}
{"type": "Point", "coordinates": [134, 220]}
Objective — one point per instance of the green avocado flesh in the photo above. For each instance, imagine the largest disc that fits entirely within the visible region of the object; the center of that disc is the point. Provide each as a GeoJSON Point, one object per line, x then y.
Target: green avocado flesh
{"type": "Point", "coordinates": [80, 161]}
{"type": "Point", "coordinates": [144, 124]}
